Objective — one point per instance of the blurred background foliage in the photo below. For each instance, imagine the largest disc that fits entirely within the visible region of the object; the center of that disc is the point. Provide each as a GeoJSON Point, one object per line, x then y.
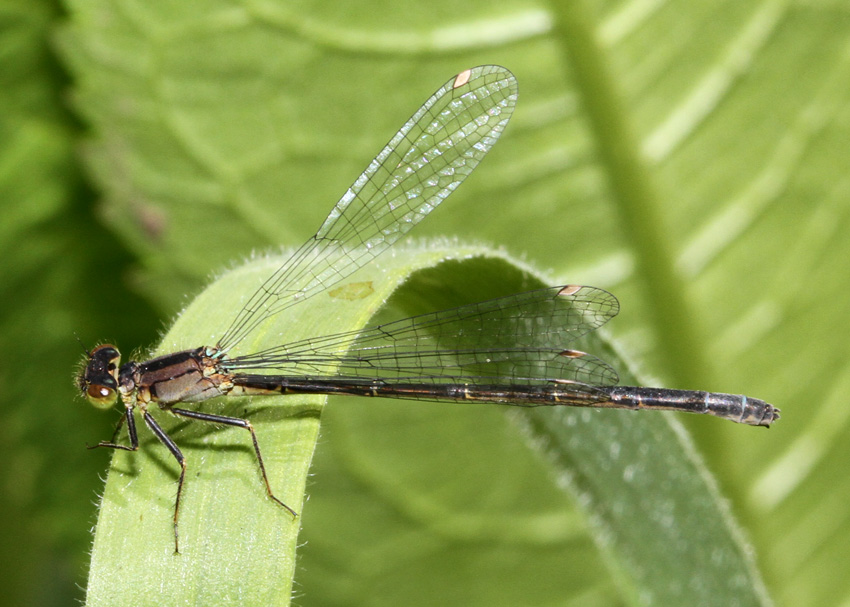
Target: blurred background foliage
{"type": "Point", "coordinates": [122, 124]}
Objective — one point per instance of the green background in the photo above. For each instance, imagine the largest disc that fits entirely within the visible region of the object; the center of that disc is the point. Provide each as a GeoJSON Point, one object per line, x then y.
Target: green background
{"type": "Point", "coordinates": [688, 156]}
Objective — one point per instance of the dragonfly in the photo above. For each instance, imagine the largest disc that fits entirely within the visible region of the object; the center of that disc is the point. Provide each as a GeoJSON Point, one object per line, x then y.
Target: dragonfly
{"type": "Point", "coordinates": [512, 350]}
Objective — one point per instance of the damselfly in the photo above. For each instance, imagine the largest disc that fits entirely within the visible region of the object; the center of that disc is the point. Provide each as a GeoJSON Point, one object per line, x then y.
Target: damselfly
{"type": "Point", "coordinates": [510, 350]}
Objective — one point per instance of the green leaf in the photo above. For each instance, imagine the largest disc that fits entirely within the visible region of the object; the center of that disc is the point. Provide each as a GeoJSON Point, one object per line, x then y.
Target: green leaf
{"type": "Point", "coordinates": [437, 488]}
{"type": "Point", "coordinates": [409, 493]}
{"type": "Point", "coordinates": [255, 116]}
{"type": "Point", "coordinates": [237, 546]}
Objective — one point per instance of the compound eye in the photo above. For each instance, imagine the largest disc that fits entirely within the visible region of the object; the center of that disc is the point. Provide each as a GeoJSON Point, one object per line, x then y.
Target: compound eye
{"type": "Point", "coordinates": [102, 397]}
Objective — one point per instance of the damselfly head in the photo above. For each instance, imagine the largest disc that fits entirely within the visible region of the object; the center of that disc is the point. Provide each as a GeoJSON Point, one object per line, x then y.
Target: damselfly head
{"type": "Point", "coordinates": [98, 381]}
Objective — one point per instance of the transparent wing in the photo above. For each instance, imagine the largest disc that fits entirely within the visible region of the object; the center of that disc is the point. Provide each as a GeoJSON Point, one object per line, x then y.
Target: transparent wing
{"type": "Point", "coordinates": [519, 338]}
{"type": "Point", "coordinates": [423, 163]}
